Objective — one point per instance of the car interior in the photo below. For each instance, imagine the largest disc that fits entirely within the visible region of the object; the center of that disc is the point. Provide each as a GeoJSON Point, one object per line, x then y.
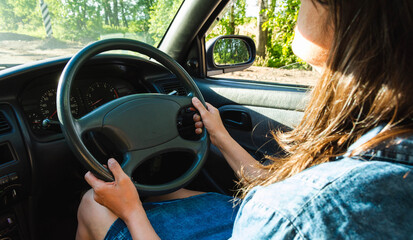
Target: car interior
{"type": "Point", "coordinates": [41, 168]}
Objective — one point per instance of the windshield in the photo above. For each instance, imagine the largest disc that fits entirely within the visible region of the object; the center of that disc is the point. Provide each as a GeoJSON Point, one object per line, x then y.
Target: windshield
{"type": "Point", "coordinates": [38, 29]}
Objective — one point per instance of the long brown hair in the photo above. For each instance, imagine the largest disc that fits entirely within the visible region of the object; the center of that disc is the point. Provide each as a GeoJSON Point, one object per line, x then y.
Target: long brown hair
{"type": "Point", "coordinates": [367, 81]}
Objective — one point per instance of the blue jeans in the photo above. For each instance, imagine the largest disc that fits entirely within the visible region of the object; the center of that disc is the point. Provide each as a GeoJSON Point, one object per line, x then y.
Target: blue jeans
{"type": "Point", "coordinates": [205, 216]}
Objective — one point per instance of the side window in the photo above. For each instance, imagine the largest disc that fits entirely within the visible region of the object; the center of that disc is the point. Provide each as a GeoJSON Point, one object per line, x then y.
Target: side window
{"type": "Point", "coordinates": [270, 23]}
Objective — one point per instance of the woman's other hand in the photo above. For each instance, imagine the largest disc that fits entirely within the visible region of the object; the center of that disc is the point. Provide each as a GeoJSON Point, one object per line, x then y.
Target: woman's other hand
{"type": "Point", "coordinates": [119, 196]}
{"type": "Point", "coordinates": [211, 119]}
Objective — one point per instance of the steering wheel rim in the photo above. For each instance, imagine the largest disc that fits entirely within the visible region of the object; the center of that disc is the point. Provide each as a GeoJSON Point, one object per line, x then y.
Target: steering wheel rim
{"type": "Point", "coordinates": [100, 118]}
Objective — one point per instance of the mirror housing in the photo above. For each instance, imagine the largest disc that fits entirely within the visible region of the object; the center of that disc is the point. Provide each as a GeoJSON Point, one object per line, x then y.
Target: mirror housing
{"type": "Point", "coordinates": [239, 54]}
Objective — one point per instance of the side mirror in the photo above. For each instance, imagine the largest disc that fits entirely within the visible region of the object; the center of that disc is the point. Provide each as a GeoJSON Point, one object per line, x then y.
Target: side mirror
{"type": "Point", "coordinates": [229, 54]}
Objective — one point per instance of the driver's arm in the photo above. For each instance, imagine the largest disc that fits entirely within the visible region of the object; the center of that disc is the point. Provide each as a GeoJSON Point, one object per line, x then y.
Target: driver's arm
{"type": "Point", "coordinates": [237, 157]}
{"type": "Point", "coordinates": [128, 207]}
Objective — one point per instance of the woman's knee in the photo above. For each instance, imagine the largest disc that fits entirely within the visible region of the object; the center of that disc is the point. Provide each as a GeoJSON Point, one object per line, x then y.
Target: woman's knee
{"type": "Point", "coordinates": [94, 218]}
{"type": "Point", "coordinates": [86, 206]}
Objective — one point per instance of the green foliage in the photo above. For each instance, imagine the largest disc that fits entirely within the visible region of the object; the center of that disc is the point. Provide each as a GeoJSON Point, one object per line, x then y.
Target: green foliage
{"type": "Point", "coordinates": [282, 16]}
{"type": "Point", "coordinates": [280, 25]}
{"type": "Point", "coordinates": [76, 20]}
{"type": "Point", "coordinates": [89, 20]}
{"type": "Point", "coordinates": [230, 51]}
{"type": "Point", "coordinates": [233, 16]}
{"type": "Point", "coordinates": [161, 13]}
{"type": "Point", "coordinates": [147, 20]}
{"type": "Point", "coordinates": [16, 14]}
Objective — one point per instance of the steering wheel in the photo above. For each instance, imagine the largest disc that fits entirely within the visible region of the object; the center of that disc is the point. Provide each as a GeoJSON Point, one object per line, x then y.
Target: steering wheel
{"type": "Point", "coordinates": [141, 125]}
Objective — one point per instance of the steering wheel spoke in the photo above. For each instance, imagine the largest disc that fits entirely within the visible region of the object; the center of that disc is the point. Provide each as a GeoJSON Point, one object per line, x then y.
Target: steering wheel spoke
{"type": "Point", "coordinates": [88, 122]}
{"type": "Point", "coordinates": [132, 159]}
{"type": "Point", "coordinates": [182, 144]}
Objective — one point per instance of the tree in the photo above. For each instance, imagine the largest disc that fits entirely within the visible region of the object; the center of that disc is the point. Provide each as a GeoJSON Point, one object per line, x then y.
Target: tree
{"type": "Point", "coordinates": [282, 16]}
{"type": "Point", "coordinates": [15, 14]}
{"type": "Point", "coordinates": [229, 20]}
{"type": "Point", "coordinates": [161, 14]}
{"type": "Point", "coordinates": [122, 6]}
{"type": "Point", "coordinates": [262, 31]}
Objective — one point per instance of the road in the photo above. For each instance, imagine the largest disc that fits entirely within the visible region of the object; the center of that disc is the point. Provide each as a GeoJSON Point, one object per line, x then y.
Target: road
{"type": "Point", "coordinates": [19, 48]}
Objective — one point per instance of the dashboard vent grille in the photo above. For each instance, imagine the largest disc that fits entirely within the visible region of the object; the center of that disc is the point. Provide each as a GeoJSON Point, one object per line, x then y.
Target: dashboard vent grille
{"type": "Point", "coordinates": [4, 124]}
{"type": "Point", "coordinates": [177, 86]}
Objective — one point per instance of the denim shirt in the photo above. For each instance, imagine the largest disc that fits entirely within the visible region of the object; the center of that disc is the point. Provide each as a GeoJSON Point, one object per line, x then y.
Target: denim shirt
{"type": "Point", "coordinates": [364, 197]}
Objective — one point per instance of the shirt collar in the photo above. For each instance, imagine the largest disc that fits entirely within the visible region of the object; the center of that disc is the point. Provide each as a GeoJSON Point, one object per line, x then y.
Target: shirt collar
{"type": "Point", "coordinates": [399, 149]}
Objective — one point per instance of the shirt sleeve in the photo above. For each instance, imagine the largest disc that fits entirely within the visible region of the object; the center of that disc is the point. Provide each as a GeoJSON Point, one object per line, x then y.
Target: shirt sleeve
{"type": "Point", "coordinates": [258, 221]}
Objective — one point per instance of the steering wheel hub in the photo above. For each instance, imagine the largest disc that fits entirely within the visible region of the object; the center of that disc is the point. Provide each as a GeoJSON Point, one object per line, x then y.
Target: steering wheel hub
{"type": "Point", "coordinates": [148, 123]}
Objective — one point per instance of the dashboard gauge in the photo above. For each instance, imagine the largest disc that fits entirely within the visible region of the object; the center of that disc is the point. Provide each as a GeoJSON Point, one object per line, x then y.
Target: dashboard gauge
{"type": "Point", "coordinates": [35, 121]}
{"type": "Point", "coordinates": [48, 105]}
{"type": "Point", "coordinates": [100, 93]}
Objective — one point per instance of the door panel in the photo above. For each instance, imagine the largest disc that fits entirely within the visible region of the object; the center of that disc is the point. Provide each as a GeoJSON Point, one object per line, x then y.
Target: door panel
{"type": "Point", "coordinates": [258, 140]}
{"type": "Point", "coordinates": [271, 95]}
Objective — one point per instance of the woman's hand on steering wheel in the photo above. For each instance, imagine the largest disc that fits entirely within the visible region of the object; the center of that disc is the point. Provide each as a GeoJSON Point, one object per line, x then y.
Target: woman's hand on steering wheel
{"type": "Point", "coordinates": [107, 193]}
{"type": "Point", "coordinates": [211, 119]}
{"type": "Point", "coordinates": [122, 198]}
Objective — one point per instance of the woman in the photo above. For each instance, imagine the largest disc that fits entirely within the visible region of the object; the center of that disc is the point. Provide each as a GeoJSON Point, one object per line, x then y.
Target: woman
{"type": "Point", "coordinates": [347, 167]}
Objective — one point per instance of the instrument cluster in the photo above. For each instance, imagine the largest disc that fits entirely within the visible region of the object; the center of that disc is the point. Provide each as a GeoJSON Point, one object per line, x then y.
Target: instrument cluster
{"type": "Point", "coordinates": [39, 102]}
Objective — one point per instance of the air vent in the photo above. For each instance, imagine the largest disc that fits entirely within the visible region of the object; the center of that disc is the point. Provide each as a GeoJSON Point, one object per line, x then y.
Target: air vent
{"type": "Point", "coordinates": [168, 87]}
{"type": "Point", "coordinates": [4, 124]}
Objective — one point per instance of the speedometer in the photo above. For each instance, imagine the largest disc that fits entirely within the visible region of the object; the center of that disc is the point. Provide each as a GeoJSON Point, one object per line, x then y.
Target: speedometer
{"type": "Point", "coordinates": [100, 93]}
{"type": "Point", "coordinates": [48, 105]}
